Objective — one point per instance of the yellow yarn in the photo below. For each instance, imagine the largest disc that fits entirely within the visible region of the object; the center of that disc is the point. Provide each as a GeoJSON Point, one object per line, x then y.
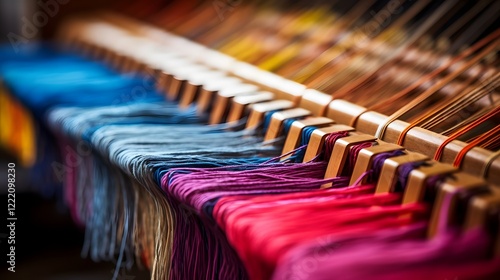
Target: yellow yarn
{"type": "Point", "coordinates": [17, 133]}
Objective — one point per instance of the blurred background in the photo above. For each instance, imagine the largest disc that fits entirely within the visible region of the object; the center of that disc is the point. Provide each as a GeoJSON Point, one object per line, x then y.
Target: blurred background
{"type": "Point", "coordinates": [41, 16]}
{"type": "Point", "coordinates": [48, 241]}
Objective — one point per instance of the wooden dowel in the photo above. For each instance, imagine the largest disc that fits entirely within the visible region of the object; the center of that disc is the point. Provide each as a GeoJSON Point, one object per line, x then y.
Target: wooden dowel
{"type": "Point", "coordinates": [427, 142]}
{"type": "Point", "coordinates": [417, 139]}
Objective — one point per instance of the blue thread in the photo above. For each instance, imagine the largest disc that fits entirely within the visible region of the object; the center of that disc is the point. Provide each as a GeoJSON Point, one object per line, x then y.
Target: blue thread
{"type": "Point", "coordinates": [133, 138]}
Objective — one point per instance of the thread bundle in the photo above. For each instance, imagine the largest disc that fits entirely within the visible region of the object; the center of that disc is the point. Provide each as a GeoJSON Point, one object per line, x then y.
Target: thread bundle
{"type": "Point", "coordinates": [97, 169]}
{"type": "Point", "coordinates": [151, 183]}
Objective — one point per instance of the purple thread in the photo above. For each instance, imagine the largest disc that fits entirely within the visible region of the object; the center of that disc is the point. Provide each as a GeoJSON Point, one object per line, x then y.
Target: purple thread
{"type": "Point", "coordinates": [404, 172]}
{"type": "Point", "coordinates": [353, 156]}
{"type": "Point", "coordinates": [330, 142]}
{"type": "Point", "coordinates": [378, 163]}
{"type": "Point", "coordinates": [392, 254]}
{"type": "Point", "coordinates": [201, 249]}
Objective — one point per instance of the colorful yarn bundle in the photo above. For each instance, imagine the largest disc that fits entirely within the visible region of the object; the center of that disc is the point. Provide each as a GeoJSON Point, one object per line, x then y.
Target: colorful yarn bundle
{"type": "Point", "coordinates": [268, 229]}
{"type": "Point", "coordinates": [395, 254]}
{"type": "Point", "coordinates": [152, 183]}
{"type": "Point", "coordinates": [193, 192]}
{"type": "Point", "coordinates": [203, 193]}
{"type": "Point", "coordinates": [392, 254]}
{"type": "Point", "coordinates": [103, 147]}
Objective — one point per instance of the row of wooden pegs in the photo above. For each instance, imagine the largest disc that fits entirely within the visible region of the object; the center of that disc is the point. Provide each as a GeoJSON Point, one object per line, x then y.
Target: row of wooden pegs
{"type": "Point", "coordinates": [229, 90]}
{"type": "Point", "coordinates": [189, 72]}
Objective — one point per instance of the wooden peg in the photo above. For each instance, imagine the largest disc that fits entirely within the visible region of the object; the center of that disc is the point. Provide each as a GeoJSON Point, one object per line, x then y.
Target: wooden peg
{"type": "Point", "coordinates": [457, 182]}
{"type": "Point", "coordinates": [164, 60]}
{"type": "Point", "coordinates": [241, 103]}
{"type": "Point", "coordinates": [152, 63]}
{"type": "Point", "coordinates": [180, 77]}
{"type": "Point", "coordinates": [417, 180]}
{"type": "Point", "coordinates": [390, 170]}
{"type": "Point", "coordinates": [295, 133]}
{"type": "Point", "coordinates": [315, 146]}
{"type": "Point", "coordinates": [281, 87]}
{"type": "Point", "coordinates": [344, 112]}
{"type": "Point", "coordinates": [136, 65]}
{"type": "Point", "coordinates": [163, 82]}
{"type": "Point", "coordinates": [427, 142]}
{"type": "Point", "coordinates": [119, 61]}
{"type": "Point", "coordinates": [278, 118]}
{"type": "Point", "coordinates": [223, 100]}
{"type": "Point", "coordinates": [133, 65]}
{"type": "Point", "coordinates": [194, 84]}
{"type": "Point", "coordinates": [97, 52]}
{"type": "Point", "coordinates": [259, 110]}
{"type": "Point", "coordinates": [109, 56]}
{"type": "Point", "coordinates": [191, 90]}
{"type": "Point", "coordinates": [209, 90]}
{"type": "Point", "coordinates": [142, 67]}
{"type": "Point", "coordinates": [175, 85]}
{"type": "Point", "coordinates": [217, 60]}
{"type": "Point", "coordinates": [315, 101]}
{"type": "Point", "coordinates": [165, 77]}
{"type": "Point", "coordinates": [154, 73]}
{"type": "Point", "coordinates": [126, 65]}
{"type": "Point", "coordinates": [366, 156]}
{"type": "Point", "coordinates": [481, 208]}
{"type": "Point", "coordinates": [341, 151]}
